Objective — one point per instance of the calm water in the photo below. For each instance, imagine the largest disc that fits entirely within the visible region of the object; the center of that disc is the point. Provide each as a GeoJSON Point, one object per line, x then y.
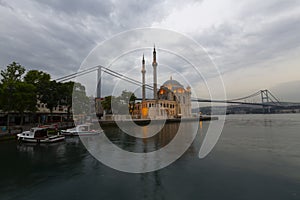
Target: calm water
{"type": "Point", "coordinates": [257, 157]}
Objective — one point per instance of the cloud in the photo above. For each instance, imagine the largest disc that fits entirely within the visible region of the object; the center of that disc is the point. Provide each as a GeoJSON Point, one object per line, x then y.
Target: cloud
{"type": "Point", "coordinates": [286, 91]}
{"type": "Point", "coordinates": [56, 36]}
{"type": "Point", "coordinates": [78, 8]}
{"type": "Point", "coordinates": [252, 37]}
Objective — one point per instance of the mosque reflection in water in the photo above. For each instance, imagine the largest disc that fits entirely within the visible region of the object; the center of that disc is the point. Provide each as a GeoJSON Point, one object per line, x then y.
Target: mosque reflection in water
{"type": "Point", "coordinates": [72, 160]}
{"type": "Point", "coordinates": [149, 142]}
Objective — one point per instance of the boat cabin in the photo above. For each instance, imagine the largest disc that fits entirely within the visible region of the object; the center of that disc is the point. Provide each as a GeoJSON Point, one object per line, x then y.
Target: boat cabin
{"type": "Point", "coordinates": [82, 128]}
{"type": "Point", "coordinates": [36, 133]}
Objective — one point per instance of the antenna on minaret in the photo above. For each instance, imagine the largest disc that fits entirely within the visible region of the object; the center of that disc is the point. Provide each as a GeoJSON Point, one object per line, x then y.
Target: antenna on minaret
{"type": "Point", "coordinates": [143, 61]}
{"type": "Point", "coordinates": [154, 65]}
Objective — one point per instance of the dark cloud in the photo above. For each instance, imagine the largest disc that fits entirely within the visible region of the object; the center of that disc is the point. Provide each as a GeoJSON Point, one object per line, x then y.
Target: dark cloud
{"type": "Point", "coordinates": [56, 36]}
{"type": "Point", "coordinates": [79, 8]}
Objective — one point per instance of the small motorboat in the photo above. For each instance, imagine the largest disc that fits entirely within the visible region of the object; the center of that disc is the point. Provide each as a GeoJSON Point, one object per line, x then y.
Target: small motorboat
{"type": "Point", "coordinates": [40, 135]}
{"type": "Point", "coordinates": [80, 130]}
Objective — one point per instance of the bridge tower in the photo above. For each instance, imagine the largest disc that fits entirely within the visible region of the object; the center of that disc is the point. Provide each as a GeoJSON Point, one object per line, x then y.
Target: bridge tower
{"type": "Point", "coordinates": [99, 82]}
{"type": "Point", "coordinates": [265, 100]}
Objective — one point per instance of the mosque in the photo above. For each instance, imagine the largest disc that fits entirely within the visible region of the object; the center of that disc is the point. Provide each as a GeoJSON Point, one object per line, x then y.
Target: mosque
{"type": "Point", "coordinates": [171, 100]}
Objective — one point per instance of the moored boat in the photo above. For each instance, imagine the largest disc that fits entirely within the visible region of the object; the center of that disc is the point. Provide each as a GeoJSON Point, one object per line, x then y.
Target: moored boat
{"type": "Point", "coordinates": [80, 130]}
{"type": "Point", "coordinates": [39, 135]}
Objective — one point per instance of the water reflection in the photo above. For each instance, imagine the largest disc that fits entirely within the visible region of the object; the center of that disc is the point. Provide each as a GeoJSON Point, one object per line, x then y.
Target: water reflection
{"type": "Point", "coordinates": [146, 144]}
{"type": "Point", "coordinates": [145, 134]}
{"type": "Point", "coordinates": [258, 161]}
{"type": "Point", "coordinates": [126, 153]}
{"type": "Point", "coordinates": [152, 187]}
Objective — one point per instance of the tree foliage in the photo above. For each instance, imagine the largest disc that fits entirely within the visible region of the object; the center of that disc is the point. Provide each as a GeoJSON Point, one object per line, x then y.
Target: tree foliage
{"type": "Point", "coordinates": [12, 73]}
{"type": "Point", "coordinates": [19, 92]}
{"type": "Point", "coordinates": [120, 104]}
{"type": "Point", "coordinates": [106, 104]}
{"type": "Point", "coordinates": [36, 77]}
{"type": "Point", "coordinates": [127, 96]}
{"type": "Point", "coordinates": [81, 103]}
{"type": "Point", "coordinates": [16, 96]}
{"type": "Point", "coordinates": [1, 96]}
{"type": "Point", "coordinates": [39, 79]}
{"type": "Point", "coordinates": [66, 92]}
{"type": "Point", "coordinates": [50, 95]}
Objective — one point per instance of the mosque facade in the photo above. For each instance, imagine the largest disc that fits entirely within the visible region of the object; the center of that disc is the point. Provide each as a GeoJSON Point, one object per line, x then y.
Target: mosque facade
{"type": "Point", "coordinates": [171, 100]}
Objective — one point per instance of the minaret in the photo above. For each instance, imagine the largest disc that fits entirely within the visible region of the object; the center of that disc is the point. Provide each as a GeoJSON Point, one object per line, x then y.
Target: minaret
{"type": "Point", "coordinates": [154, 65]}
{"type": "Point", "coordinates": [143, 80]}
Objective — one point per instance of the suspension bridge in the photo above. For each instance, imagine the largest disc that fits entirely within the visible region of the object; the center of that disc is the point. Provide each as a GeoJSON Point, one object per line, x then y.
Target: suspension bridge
{"type": "Point", "coordinates": [267, 99]}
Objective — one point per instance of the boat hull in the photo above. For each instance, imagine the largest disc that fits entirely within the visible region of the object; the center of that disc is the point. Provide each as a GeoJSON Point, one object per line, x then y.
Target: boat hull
{"type": "Point", "coordinates": [51, 139]}
{"type": "Point", "coordinates": [83, 133]}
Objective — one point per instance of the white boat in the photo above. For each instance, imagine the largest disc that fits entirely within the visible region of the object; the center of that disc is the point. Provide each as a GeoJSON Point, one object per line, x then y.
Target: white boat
{"type": "Point", "coordinates": [80, 130]}
{"type": "Point", "coordinates": [39, 135]}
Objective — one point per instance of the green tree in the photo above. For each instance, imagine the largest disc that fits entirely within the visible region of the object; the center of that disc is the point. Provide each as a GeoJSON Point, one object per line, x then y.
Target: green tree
{"type": "Point", "coordinates": [66, 92]}
{"type": "Point", "coordinates": [121, 104]}
{"type": "Point", "coordinates": [106, 104]}
{"type": "Point", "coordinates": [24, 98]}
{"type": "Point", "coordinates": [50, 96]}
{"type": "Point", "coordinates": [80, 102]}
{"type": "Point", "coordinates": [127, 96]}
{"type": "Point", "coordinates": [61, 93]}
{"type": "Point", "coordinates": [16, 95]}
{"type": "Point", "coordinates": [1, 96]}
{"type": "Point", "coordinates": [40, 80]}
{"type": "Point", "coordinates": [12, 73]}
{"type": "Point", "coordinates": [36, 77]}
{"type": "Point", "coordinates": [126, 102]}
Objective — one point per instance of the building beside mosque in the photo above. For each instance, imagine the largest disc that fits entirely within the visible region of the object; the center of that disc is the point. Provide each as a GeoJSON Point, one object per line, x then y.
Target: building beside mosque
{"type": "Point", "coordinates": [171, 100]}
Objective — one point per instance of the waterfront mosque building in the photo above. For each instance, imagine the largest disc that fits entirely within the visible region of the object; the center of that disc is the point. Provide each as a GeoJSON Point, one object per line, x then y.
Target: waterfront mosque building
{"type": "Point", "coordinates": [171, 100]}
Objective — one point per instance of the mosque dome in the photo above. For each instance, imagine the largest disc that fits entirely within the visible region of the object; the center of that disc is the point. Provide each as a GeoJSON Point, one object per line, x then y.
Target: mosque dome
{"type": "Point", "coordinates": [172, 84]}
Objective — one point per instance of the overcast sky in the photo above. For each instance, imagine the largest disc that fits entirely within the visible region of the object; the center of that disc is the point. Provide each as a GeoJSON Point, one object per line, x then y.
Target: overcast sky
{"type": "Point", "coordinates": [255, 44]}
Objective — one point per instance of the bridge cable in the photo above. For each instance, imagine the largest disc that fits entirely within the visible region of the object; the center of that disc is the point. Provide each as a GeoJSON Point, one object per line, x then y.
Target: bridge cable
{"type": "Point", "coordinates": [246, 97]}
{"type": "Point", "coordinates": [76, 74]}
